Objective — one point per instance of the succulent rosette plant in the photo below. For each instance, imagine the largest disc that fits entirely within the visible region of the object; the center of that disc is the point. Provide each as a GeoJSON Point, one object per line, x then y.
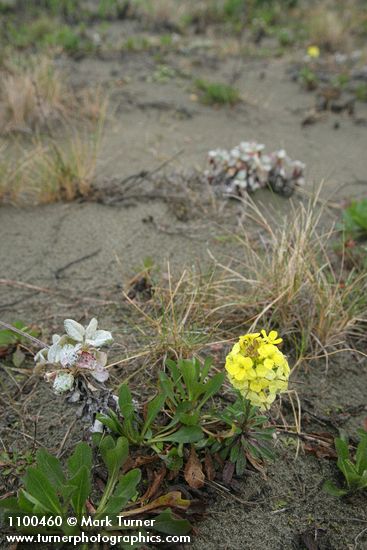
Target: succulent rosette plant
{"type": "Point", "coordinates": [246, 168]}
{"type": "Point", "coordinates": [77, 352]}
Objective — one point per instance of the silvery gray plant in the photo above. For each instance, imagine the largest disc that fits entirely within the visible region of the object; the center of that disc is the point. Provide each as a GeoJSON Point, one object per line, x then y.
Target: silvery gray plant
{"type": "Point", "coordinates": [75, 354]}
{"type": "Point", "coordinates": [246, 168]}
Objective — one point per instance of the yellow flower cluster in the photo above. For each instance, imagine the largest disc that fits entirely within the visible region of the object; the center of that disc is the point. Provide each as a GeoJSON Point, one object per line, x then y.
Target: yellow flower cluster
{"type": "Point", "coordinates": [313, 51]}
{"type": "Point", "coordinates": [257, 368]}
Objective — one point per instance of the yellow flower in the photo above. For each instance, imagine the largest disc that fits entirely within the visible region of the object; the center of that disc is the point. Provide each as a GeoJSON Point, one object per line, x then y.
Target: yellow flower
{"type": "Point", "coordinates": [271, 338]}
{"type": "Point", "coordinates": [313, 51]}
{"type": "Point", "coordinates": [267, 350]}
{"type": "Point", "coordinates": [257, 368]}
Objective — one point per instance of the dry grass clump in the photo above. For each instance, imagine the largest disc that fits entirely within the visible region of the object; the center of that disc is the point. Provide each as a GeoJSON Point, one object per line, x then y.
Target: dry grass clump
{"type": "Point", "coordinates": [32, 96]}
{"type": "Point", "coordinates": [49, 172]}
{"type": "Point", "coordinates": [173, 321]}
{"type": "Point", "coordinates": [289, 279]}
{"type": "Point", "coordinates": [64, 172]}
{"type": "Point", "coordinates": [329, 27]}
{"type": "Point", "coordinates": [35, 94]}
{"type": "Point", "coordinates": [286, 279]}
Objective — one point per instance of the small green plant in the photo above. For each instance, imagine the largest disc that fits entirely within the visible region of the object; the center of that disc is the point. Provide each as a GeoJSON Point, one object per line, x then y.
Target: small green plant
{"type": "Point", "coordinates": [215, 93]}
{"type": "Point", "coordinates": [163, 73]}
{"type": "Point", "coordinates": [354, 472]}
{"type": "Point", "coordinates": [355, 219]}
{"type": "Point", "coordinates": [308, 78]}
{"type": "Point", "coordinates": [246, 437]}
{"type": "Point", "coordinates": [51, 494]}
{"type": "Point", "coordinates": [181, 415]}
{"type": "Point", "coordinates": [50, 491]}
{"type": "Point", "coordinates": [341, 80]}
{"type": "Point", "coordinates": [285, 38]}
{"type": "Point", "coordinates": [175, 417]}
{"type": "Point", "coordinates": [14, 463]}
{"type": "Point", "coordinates": [156, 429]}
{"type": "Point", "coordinates": [361, 92]}
{"type": "Point", "coordinates": [45, 33]}
{"type": "Point", "coordinates": [187, 388]}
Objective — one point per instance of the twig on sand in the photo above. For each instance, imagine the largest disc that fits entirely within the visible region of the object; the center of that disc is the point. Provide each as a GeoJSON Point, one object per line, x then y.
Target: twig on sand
{"type": "Point", "coordinates": [360, 534]}
{"type": "Point", "coordinates": [10, 282]}
{"type": "Point", "coordinates": [67, 433]}
{"type": "Point", "coordinates": [73, 262]}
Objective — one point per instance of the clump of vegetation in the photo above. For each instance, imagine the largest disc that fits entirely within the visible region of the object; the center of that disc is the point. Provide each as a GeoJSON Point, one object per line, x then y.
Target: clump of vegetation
{"type": "Point", "coordinates": [355, 219]}
{"type": "Point", "coordinates": [354, 472]}
{"type": "Point", "coordinates": [32, 96]}
{"type": "Point", "coordinates": [291, 281]}
{"type": "Point", "coordinates": [35, 95]}
{"type": "Point", "coordinates": [51, 494]}
{"type": "Point", "coordinates": [173, 322]}
{"type": "Point", "coordinates": [48, 173]}
{"type": "Point", "coordinates": [246, 168]}
{"type": "Point", "coordinates": [361, 92]}
{"type": "Point", "coordinates": [308, 78]}
{"type": "Point", "coordinates": [216, 93]}
{"type": "Point", "coordinates": [286, 277]}
{"type": "Point", "coordinates": [326, 27]}
{"type": "Point", "coordinates": [186, 390]}
{"type": "Point", "coordinates": [187, 410]}
{"type": "Point", "coordinates": [46, 33]}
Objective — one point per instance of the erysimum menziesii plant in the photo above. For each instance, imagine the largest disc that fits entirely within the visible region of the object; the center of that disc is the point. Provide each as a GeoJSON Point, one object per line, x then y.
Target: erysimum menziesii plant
{"type": "Point", "coordinates": [258, 371]}
{"type": "Point", "coordinates": [257, 368]}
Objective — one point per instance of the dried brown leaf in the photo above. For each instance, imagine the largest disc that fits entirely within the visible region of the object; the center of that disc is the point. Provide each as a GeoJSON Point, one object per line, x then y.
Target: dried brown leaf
{"type": "Point", "coordinates": [194, 474]}
{"type": "Point", "coordinates": [156, 484]}
{"type": "Point", "coordinates": [228, 472]}
{"type": "Point", "coordinates": [170, 500]}
{"type": "Point", "coordinates": [209, 466]}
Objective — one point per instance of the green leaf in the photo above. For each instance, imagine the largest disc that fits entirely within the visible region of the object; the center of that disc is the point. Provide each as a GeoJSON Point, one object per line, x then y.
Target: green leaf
{"type": "Point", "coordinates": [206, 368]}
{"type": "Point", "coordinates": [333, 490]}
{"type": "Point", "coordinates": [176, 377]}
{"type": "Point", "coordinates": [341, 447]}
{"type": "Point", "coordinates": [166, 523]}
{"type": "Point", "coordinates": [7, 338]}
{"type": "Point", "coordinates": [189, 419]}
{"type": "Point", "coordinates": [361, 453]}
{"type": "Point", "coordinates": [126, 402]}
{"type": "Point", "coordinates": [154, 407]}
{"type": "Point", "coordinates": [186, 434]}
{"type": "Point", "coordinates": [82, 484]}
{"type": "Point", "coordinates": [11, 504]}
{"type": "Point", "coordinates": [82, 456]}
{"type": "Point", "coordinates": [173, 460]}
{"type": "Point", "coordinates": [189, 375]}
{"type": "Point", "coordinates": [167, 387]}
{"type": "Point", "coordinates": [50, 467]}
{"type": "Point", "coordinates": [24, 502]}
{"type": "Point", "coordinates": [266, 453]}
{"type": "Point", "coordinates": [355, 217]}
{"type": "Point", "coordinates": [114, 454]}
{"type": "Point", "coordinates": [124, 491]}
{"type": "Point", "coordinates": [111, 422]}
{"type": "Point", "coordinates": [42, 492]}
{"type": "Point", "coordinates": [234, 453]}
{"type": "Point", "coordinates": [241, 463]}
{"type": "Point", "coordinates": [212, 387]}
{"type": "Point", "coordinates": [349, 471]}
